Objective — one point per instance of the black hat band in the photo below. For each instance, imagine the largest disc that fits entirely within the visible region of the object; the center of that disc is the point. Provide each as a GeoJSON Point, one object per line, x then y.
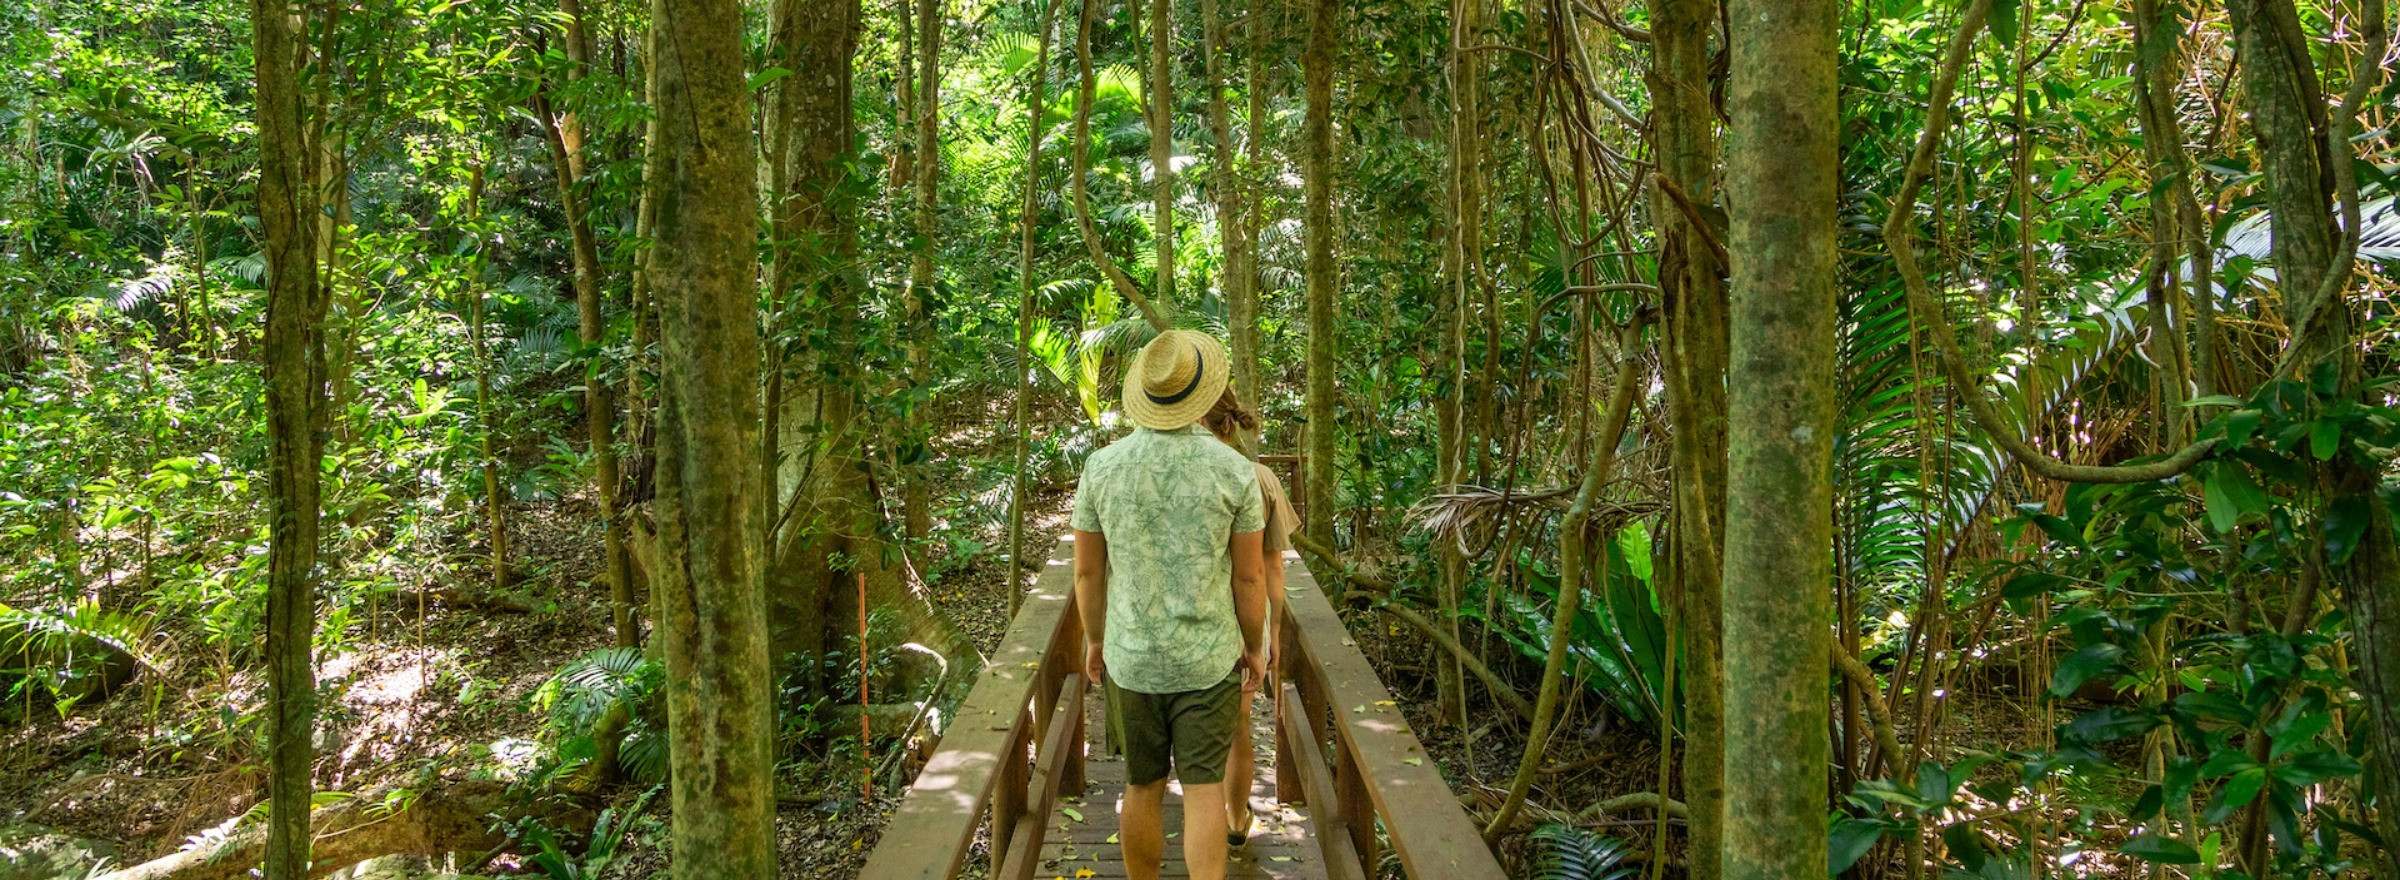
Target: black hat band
{"type": "Point", "coordinates": [1199, 368]}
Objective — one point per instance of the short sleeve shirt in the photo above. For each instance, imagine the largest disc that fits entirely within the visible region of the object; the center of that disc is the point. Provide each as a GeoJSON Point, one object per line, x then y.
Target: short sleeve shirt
{"type": "Point", "coordinates": [1170, 503]}
{"type": "Point", "coordinates": [1281, 520]}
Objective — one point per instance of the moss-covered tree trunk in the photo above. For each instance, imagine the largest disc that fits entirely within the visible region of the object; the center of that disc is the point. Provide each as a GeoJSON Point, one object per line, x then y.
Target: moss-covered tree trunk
{"type": "Point", "coordinates": [1462, 261]}
{"type": "Point", "coordinates": [1225, 184]}
{"type": "Point", "coordinates": [916, 498]}
{"type": "Point", "coordinates": [1778, 576]}
{"type": "Point", "coordinates": [1693, 360]}
{"type": "Point", "coordinates": [1316, 161]}
{"type": "Point", "coordinates": [288, 206]}
{"type": "Point", "coordinates": [2306, 156]}
{"type": "Point", "coordinates": [710, 606]}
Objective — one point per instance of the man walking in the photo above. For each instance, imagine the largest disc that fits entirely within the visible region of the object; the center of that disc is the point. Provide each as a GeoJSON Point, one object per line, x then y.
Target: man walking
{"type": "Point", "coordinates": [1164, 519]}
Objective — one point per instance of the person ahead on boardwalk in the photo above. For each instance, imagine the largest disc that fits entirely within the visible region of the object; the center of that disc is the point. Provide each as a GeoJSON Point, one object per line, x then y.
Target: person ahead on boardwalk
{"type": "Point", "coordinates": [1229, 420]}
{"type": "Point", "coordinates": [1165, 519]}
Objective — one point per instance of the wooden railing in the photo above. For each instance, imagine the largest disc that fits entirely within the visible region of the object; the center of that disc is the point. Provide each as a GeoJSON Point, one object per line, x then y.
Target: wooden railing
{"type": "Point", "coordinates": [1017, 742]}
{"type": "Point", "coordinates": [1342, 746]}
{"type": "Point", "coordinates": [1013, 745]}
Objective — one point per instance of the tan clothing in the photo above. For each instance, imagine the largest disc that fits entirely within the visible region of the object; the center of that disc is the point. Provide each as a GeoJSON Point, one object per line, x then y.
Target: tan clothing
{"type": "Point", "coordinates": [1281, 521]}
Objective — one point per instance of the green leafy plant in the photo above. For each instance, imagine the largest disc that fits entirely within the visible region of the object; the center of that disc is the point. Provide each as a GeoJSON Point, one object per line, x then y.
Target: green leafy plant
{"type": "Point", "coordinates": [1572, 853]}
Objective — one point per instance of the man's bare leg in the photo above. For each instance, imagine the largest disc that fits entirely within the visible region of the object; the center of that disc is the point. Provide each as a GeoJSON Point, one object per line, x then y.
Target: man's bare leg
{"type": "Point", "coordinates": [1240, 768]}
{"type": "Point", "coordinates": [1141, 828]}
{"type": "Point", "coordinates": [1203, 831]}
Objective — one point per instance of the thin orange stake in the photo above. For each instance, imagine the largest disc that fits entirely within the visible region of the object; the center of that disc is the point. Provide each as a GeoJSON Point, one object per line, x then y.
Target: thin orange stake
{"type": "Point", "coordinates": [866, 745]}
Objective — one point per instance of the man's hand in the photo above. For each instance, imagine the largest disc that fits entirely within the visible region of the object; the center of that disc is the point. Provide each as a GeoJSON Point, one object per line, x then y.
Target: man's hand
{"type": "Point", "coordinates": [1254, 670]}
{"type": "Point", "coordinates": [1093, 667]}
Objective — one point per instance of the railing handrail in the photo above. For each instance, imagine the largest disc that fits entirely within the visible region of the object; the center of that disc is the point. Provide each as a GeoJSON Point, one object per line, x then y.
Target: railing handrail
{"type": "Point", "coordinates": [1019, 696]}
{"type": "Point", "coordinates": [1345, 708]}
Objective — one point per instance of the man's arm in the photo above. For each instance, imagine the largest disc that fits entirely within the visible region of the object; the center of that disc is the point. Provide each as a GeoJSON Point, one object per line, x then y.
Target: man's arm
{"type": "Point", "coordinates": [1091, 595]}
{"type": "Point", "coordinates": [1250, 600]}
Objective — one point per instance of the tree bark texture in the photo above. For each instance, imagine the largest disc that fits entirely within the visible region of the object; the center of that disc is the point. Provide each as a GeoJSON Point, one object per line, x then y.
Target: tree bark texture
{"type": "Point", "coordinates": [1781, 158]}
{"type": "Point", "coordinates": [289, 195]}
{"type": "Point", "coordinates": [1226, 185]}
{"type": "Point", "coordinates": [916, 500]}
{"type": "Point", "coordinates": [1162, 144]}
{"type": "Point", "coordinates": [1317, 61]}
{"type": "Point", "coordinates": [711, 606]}
{"type": "Point", "coordinates": [1693, 359]}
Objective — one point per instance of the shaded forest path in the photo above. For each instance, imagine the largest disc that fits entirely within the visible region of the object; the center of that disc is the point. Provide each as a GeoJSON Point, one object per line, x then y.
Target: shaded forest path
{"type": "Point", "coordinates": [1023, 778]}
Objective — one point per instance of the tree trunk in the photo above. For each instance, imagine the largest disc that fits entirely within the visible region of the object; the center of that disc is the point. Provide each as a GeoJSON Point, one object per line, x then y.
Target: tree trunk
{"type": "Point", "coordinates": [288, 192]}
{"type": "Point", "coordinates": [1781, 159]}
{"type": "Point", "coordinates": [916, 498]}
{"type": "Point", "coordinates": [1693, 359]}
{"type": "Point", "coordinates": [833, 514]}
{"type": "Point", "coordinates": [563, 128]}
{"type": "Point", "coordinates": [1162, 144]}
{"type": "Point", "coordinates": [711, 607]}
{"type": "Point", "coordinates": [493, 507]}
{"type": "Point", "coordinates": [1316, 62]}
{"type": "Point", "coordinates": [1036, 100]}
{"type": "Point", "coordinates": [2306, 156]}
{"type": "Point", "coordinates": [1463, 260]}
{"type": "Point", "coordinates": [1225, 182]}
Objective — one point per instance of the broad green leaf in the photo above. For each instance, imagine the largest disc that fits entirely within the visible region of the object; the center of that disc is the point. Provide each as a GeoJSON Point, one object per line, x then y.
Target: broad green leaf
{"type": "Point", "coordinates": [2238, 792]}
{"type": "Point", "coordinates": [2324, 438]}
{"type": "Point", "coordinates": [2081, 666]}
{"type": "Point", "coordinates": [1848, 840]}
{"type": "Point", "coordinates": [2161, 849]}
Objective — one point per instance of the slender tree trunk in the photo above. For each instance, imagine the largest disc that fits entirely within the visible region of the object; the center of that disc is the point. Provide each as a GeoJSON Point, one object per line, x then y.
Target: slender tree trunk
{"type": "Point", "coordinates": [1781, 159]}
{"type": "Point", "coordinates": [1252, 198]}
{"type": "Point", "coordinates": [916, 498]}
{"type": "Point", "coordinates": [1162, 143]}
{"type": "Point", "coordinates": [1037, 99]}
{"type": "Point", "coordinates": [711, 605]}
{"type": "Point", "coordinates": [1225, 182]}
{"type": "Point", "coordinates": [1463, 262]}
{"type": "Point", "coordinates": [1694, 361]}
{"type": "Point", "coordinates": [288, 199]}
{"type": "Point", "coordinates": [1574, 567]}
{"type": "Point", "coordinates": [563, 129]}
{"type": "Point", "coordinates": [1316, 62]}
{"type": "Point", "coordinates": [493, 507]}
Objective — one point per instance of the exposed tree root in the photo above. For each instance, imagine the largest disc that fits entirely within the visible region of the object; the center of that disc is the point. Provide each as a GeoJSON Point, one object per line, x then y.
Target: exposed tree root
{"type": "Point", "coordinates": [451, 817]}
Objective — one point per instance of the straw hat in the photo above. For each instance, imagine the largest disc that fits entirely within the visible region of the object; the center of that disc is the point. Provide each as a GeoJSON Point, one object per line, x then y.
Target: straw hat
{"type": "Point", "coordinates": [1175, 379]}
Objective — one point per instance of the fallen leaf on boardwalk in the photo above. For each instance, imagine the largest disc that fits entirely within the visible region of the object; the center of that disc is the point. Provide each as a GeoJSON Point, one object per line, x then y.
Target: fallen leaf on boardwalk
{"type": "Point", "coordinates": [1112, 838]}
{"type": "Point", "coordinates": [1280, 858]}
{"type": "Point", "coordinates": [1085, 872]}
{"type": "Point", "coordinates": [1174, 834]}
{"type": "Point", "coordinates": [1360, 708]}
{"type": "Point", "coordinates": [1387, 702]}
{"type": "Point", "coordinates": [1072, 813]}
{"type": "Point", "coordinates": [1414, 762]}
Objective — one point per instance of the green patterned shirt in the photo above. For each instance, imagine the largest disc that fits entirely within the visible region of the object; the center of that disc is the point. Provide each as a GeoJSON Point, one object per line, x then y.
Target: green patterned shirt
{"type": "Point", "coordinates": [1170, 503]}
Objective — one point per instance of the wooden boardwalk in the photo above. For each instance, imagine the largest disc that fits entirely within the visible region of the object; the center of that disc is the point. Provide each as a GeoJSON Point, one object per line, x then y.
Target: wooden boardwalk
{"type": "Point", "coordinates": [1280, 847]}
{"type": "Point", "coordinates": [1018, 775]}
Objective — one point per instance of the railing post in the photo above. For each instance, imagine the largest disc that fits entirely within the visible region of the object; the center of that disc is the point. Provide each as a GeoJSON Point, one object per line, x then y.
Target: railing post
{"type": "Point", "coordinates": [1358, 809]}
{"type": "Point", "coordinates": [1287, 774]}
{"type": "Point", "coordinates": [1008, 798]}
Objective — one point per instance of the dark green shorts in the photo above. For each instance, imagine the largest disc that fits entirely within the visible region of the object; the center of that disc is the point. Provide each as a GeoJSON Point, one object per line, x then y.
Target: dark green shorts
{"type": "Point", "coordinates": [1195, 728]}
